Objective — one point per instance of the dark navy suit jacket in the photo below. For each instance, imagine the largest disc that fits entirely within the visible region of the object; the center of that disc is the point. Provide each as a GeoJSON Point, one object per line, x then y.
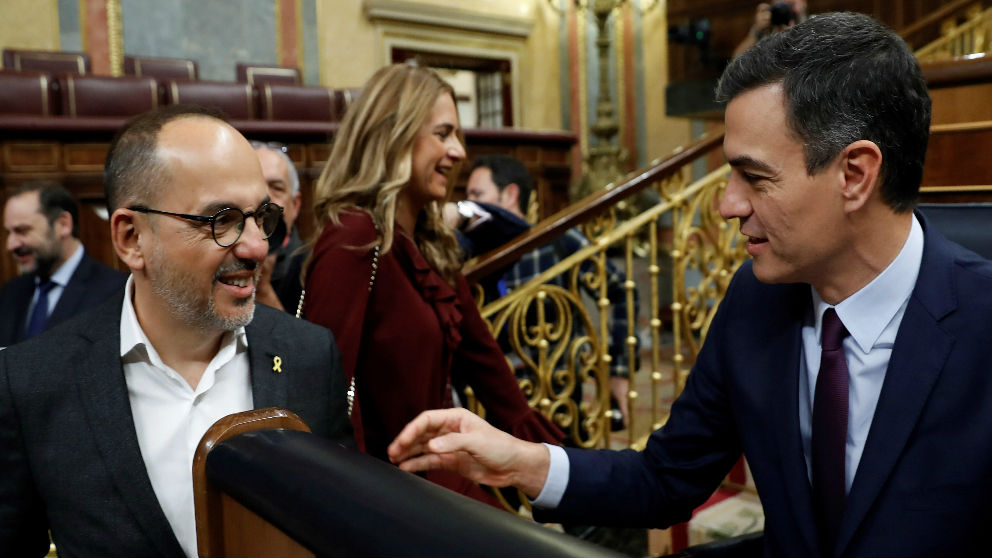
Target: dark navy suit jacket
{"type": "Point", "coordinates": [924, 482]}
{"type": "Point", "coordinates": [90, 284]}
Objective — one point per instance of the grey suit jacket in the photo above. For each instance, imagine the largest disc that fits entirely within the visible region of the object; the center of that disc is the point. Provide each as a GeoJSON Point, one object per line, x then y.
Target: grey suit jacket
{"type": "Point", "coordinates": [69, 453]}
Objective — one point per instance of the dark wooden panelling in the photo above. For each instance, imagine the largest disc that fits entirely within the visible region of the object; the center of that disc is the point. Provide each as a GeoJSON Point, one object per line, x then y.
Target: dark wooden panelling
{"type": "Point", "coordinates": [72, 151]}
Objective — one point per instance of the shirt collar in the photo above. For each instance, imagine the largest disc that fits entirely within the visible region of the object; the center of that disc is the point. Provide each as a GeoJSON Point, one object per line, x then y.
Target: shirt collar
{"type": "Point", "coordinates": [64, 272]}
{"type": "Point", "coordinates": [134, 340]}
{"type": "Point", "coordinates": [866, 312]}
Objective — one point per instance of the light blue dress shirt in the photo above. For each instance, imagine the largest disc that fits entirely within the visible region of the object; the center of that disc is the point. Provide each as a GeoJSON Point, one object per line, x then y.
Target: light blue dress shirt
{"type": "Point", "coordinates": [872, 316]}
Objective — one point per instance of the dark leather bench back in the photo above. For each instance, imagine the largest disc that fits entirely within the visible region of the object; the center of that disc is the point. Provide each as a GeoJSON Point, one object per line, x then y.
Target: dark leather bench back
{"type": "Point", "coordinates": [235, 99]}
{"type": "Point", "coordinates": [297, 102]}
{"type": "Point", "coordinates": [53, 62]}
{"type": "Point", "coordinates": [258, 74]}
{"type": "Point", "coordinates": [968, 224]}
{"type": "Point", "coordinates": [179, 69]}
{"type": "Point", "coordinates": [107, 96]}
{"type": "Point", "coordinates": [27, 93]}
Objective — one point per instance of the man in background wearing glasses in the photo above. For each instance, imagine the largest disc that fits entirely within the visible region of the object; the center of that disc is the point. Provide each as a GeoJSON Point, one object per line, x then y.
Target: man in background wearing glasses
{"type": "Point", "coordinates": [100, 417]}
{"type": "Point", "coordinates": [284, 189]}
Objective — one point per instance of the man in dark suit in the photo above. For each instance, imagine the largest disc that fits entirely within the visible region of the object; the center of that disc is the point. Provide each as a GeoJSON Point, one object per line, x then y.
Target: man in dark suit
{"type": "Point", "coordinates": [100, 417]}
{"type": "Point", "coordinates": [41, 220]}
{"type": "Point", "coordinates": [849, 360]}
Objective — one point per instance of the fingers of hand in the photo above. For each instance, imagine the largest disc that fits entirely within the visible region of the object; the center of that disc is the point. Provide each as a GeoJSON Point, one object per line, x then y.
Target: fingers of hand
{"type": "Point", "coordinates": [413, 438]}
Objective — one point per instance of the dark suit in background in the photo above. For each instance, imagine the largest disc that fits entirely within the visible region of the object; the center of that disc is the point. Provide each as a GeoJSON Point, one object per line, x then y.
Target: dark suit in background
{"type": "Point", "coordinates": [925, 478]}
{"type": "Point", "coordinates": [69, 453]}
{"type": "Point", "coordinates": [91, 284]}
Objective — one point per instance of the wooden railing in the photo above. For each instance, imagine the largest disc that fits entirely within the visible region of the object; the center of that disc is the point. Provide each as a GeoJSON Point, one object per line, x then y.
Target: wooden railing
{"type": "Point", "coordinates": [971, 37]}
{"type": "Point", "coordinates": [558, 324]}
{"type": "Point", "coordinates": [931, 27]}
{"type": "Point", "coordinates": [590, 207]}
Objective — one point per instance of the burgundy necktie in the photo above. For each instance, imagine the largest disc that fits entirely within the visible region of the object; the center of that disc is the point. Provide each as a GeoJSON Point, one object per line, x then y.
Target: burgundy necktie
{"type": "Point", "coordinates": [830, 431]}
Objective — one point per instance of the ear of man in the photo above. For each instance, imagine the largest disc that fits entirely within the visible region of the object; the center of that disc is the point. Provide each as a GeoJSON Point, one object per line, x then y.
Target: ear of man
{"type": "Point", "coordinates": [860, 164]}
{"type": "Point", "coordinates": [297, 201]}
{"type": "Point", "coordinates": [126, 234]}
{"type": "Point", "coordinates": [62, 226]}
{"type": "Point", "coordinates": [511, 196]}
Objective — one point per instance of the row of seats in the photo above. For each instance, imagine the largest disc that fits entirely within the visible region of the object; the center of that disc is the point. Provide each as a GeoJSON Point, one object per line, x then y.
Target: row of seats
{"type": "Point", "coordinates": [44, 83]}
{"type": "Point", "coordinates": [177, 69]}
{"type": "Point", "coordinates": [73, 95]}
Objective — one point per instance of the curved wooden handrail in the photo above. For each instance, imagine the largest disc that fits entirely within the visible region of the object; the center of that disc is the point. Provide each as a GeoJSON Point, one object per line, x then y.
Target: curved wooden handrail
{"type": "Point", "coordinates": [933, 19]}
{"type": "Point", "coordinates": [583, 210]}
{"type": "Point", "coordinates": [958, 71]}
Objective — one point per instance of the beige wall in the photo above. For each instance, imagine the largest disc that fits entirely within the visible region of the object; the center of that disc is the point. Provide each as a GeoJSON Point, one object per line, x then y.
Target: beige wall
{"type": "Point", "coordinates": [30, 24]}
{"type": "Point", "coordinates": [346, 40]}
{"type": "Point", "coordinates": [352, 48]}
{"type": "Point", "coordinates": [663, 134]}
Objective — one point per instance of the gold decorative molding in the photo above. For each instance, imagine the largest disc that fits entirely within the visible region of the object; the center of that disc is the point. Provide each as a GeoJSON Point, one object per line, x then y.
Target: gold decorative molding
{"type": "Point", "coordinates": [115, 37]}
{"type": "Point", "coordinates": [301, 48]}
{"type": "Point", "coordinates": [580, 38]}
{"type": "Point", "coordinates": [391, 34]}
{"type": "Point", "coordinates": [54, 11]}
{"type": "Point", "coordinates": [445, 16]}
{"type": "Point", "coordinates": [82, 24]}
{"type": "Point", "coordinates": [961, 126]}
{"type": "Point", "coordinates": [277, 19]}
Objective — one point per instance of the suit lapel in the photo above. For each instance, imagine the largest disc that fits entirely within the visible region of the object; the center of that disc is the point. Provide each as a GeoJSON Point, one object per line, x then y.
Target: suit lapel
{"type": "Point", "coordinates": [74, 292]}
{"type": "Point", "coordinates": [108, 410]}
{"type": "Point", "coordinates": [784, 355]}
{"type": "Point", "coordinates": [22, 297]}
{"type": "Point", "coordinates": [918, 357]}
{"type": "Point", "coordinates": [269, 366]}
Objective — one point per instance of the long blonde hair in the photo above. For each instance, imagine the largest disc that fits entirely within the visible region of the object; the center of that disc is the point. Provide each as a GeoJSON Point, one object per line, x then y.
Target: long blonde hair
{"type": "Point", "coordinates": [370, 162]}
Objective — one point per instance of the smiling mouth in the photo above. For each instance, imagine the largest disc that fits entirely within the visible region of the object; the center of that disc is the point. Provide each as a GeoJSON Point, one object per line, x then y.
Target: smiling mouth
{"type": "Point", "coordinates": [235, 281]}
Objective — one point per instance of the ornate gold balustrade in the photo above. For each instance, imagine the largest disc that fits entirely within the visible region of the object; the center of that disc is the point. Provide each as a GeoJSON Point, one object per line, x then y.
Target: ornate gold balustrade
{"type": "Point", "coordinates": [971, 37]}
{"type": "Point", "coordinates": [557, 333]}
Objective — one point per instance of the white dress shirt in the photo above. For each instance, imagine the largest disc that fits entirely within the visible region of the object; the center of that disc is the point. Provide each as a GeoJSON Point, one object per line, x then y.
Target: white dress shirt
{"type": "Point", "coordinates": [872, 316]}
{"type": "Point", "coordinates": [59, 280]}
{"type": "Point", "coordinates": [170, 417]}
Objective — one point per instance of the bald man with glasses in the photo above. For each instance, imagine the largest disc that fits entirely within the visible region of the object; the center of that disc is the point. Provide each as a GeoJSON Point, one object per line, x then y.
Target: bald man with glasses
{"type": "Point", "coordinates": [100, 417]}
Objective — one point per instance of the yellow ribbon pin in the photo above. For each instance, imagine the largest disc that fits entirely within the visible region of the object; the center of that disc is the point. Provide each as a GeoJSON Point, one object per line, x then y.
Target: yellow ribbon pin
{"type": "Point", "coordinates": [277, 364]}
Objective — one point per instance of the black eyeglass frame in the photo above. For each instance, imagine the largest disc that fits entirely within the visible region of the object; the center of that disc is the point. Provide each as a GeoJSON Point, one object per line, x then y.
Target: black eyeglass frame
{"type": "Point", "coordinates": [213, 219]}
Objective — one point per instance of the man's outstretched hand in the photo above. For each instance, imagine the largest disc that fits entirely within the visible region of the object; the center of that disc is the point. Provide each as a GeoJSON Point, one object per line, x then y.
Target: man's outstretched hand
{"type": "Point", "coordinates": [458, 440]}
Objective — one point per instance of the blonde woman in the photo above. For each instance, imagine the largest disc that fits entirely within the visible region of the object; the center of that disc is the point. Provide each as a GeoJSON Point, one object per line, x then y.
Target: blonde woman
{"type": "Point", "coordinates": [384, 274]}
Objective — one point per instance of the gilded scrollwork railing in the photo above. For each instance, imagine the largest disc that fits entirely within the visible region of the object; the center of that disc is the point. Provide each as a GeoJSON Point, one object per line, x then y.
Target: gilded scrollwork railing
{"type": "Point", "coordinates": [974, 36]}
{"type": "Point", "coordinates": [557, 325]}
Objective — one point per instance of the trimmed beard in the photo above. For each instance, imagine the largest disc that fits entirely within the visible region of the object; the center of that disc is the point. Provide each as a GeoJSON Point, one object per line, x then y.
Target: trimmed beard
{"type": "Point", "coordinates": [46, 255]}
{"type": "Point", "coordinates": [177, 287]}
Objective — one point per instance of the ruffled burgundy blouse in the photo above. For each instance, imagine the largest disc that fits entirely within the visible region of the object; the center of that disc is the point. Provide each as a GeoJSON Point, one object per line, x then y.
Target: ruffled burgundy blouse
{"type": "Point", "coordinates": [408, 339]}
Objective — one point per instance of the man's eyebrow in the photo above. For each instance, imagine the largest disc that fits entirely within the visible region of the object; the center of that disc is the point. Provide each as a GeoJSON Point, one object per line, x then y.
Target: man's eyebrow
{"type": "Point", "coordinates": [218, 205]}
{"type": "Point", "coordinates": [751, 163]}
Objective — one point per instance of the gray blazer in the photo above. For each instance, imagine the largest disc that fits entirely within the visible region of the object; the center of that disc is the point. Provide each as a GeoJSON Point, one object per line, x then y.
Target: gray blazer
{"type": "Point", "coordinates": [69, 455]}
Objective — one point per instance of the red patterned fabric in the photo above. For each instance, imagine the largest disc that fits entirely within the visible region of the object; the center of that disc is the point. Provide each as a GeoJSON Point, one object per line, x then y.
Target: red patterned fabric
{"type": "Point", "coordinates": [408, 339]}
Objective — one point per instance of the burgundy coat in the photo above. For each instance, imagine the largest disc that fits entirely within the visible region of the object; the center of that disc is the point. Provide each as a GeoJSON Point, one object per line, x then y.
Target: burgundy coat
{"type": "Point", "coordinates": [407, 339]}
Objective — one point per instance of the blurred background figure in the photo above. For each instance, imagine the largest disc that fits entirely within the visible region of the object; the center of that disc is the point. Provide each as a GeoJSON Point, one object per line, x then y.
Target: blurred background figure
{"type": "Point", "coordinates": [771, 18]}
{"type": "Point", "coordinates": [384, 275]}
{"type": "Point", "coordinates": [282, 290]}
{"type": "Point", "coordinates": [57, 278]}
{"type": "Point", "coordinates": [502, 187]}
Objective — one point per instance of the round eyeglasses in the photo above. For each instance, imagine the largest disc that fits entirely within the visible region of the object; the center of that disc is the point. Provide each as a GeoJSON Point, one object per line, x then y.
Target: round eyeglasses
{"type": "Point", "coordinates": [228, 223]}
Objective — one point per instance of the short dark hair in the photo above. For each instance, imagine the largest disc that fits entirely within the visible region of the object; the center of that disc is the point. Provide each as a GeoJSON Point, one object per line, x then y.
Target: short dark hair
{"type": "Point", "coordinates": [133, 171]}
{"type": "Point", "coordinates": [507, 170]}
{"type": "Point", "coordinates": [53, 200]}
{"type": "Point", "coordinates": [846, 77]}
